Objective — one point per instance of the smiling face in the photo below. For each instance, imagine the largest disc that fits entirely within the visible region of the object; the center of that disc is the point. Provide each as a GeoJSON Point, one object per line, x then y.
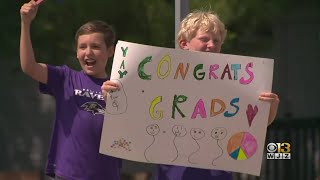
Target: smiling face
{"type": "Point", "coordinates": [202, 31]}
{"type": "Point", "coordinates": [93, 54]}
{"type": "Point", "coordinates": [204, 42]}
{"type": "Point", "coordinates": [179, 131]}
{"type": "Point", "coordinates": [114, 94]}
{"type": "Point", "coordinates": [153, 129]}
{"type": "Point", "coordinates": [219, 133]}
{"type": "Point", "coordinates": [197, 133]}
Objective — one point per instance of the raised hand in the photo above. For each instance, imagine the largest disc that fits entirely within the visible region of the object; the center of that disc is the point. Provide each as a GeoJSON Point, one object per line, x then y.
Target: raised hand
{"type": "Point", "coordinates": [28, 11]}
{"type": "Point", "coordinates": [274, 100]}
{"type": "Point", "coordinates": [108, 86]}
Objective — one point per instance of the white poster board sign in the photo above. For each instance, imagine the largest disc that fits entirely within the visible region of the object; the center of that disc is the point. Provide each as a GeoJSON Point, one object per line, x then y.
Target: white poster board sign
{"type": "Point", "coordinates": [187, 108]}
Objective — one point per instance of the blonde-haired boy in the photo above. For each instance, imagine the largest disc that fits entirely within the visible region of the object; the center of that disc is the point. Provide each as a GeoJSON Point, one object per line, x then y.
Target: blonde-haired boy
{"type": "Point", "coordinates": [204, 31]}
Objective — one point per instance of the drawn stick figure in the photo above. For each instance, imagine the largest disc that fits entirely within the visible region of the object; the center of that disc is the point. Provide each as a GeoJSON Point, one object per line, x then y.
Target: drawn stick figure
{"type": "Point", "coordinates": [178, 131]}
{"type": "Point", "coordinates": [116, 100]}
{"type": "Point", "coordinates": [196, 135]}
{"type": "Point", "coordinates": [218, 134]}
{"type": "Point", "coordinates": [115, 104]}
{"type": "Point", "coordinates": [152, 129]}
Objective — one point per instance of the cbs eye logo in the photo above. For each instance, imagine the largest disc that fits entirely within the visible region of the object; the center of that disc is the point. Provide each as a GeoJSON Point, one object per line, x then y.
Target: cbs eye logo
{"type": "Point", "coordinates": [279, 147]}
{"type": "Point", "coordinates": [279, 151]}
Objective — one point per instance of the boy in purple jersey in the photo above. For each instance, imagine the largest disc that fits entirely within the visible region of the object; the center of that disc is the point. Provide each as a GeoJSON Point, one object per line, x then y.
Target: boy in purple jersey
{"type": "Point", "coordinates": [74, 149]}
{"type": "Point", "coordinates": [204, 31]}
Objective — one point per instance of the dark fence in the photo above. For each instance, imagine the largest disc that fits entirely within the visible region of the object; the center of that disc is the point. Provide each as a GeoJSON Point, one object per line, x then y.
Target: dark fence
{"type": "Point", "coordinates": [303, 135]}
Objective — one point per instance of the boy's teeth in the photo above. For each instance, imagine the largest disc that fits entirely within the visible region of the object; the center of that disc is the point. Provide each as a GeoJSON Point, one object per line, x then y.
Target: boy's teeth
{"type": "Point", "coordinates": [90, 62]}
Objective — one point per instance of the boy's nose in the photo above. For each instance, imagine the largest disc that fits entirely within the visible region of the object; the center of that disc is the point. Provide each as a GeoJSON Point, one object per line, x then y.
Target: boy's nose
{"type": "Point", "coordinates": [88, 50]}
{"type": "Point", "coordinates": [210, 44]}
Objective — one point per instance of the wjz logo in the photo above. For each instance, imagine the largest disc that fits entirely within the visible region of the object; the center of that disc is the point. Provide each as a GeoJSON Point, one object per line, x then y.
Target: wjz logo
{"type": "Point", "coordinates": [279, 150]}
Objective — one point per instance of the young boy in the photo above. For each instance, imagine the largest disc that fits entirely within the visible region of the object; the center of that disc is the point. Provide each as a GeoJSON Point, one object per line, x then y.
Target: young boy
{"type": "Point", "coordinates": [74, 149]}
{"type": "Point", "coordinates": [203, 31]}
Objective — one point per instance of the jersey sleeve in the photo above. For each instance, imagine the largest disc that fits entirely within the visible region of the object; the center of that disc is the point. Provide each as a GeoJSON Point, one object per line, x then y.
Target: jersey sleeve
{"type": "Point", "coordinates": [56, 79]}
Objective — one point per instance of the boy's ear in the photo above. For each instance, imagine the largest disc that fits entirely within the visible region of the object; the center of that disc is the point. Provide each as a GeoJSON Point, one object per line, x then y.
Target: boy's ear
{"type": "Point", "coordinates": [183, 44]}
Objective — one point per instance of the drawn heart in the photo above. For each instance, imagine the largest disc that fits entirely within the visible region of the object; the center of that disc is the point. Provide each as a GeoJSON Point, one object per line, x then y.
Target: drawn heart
{"type": "Point", "coordinates": [251, 113]}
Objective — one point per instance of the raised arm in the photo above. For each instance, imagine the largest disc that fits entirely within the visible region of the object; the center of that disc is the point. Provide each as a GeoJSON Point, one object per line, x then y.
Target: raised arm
{"type": "Point", "coordinates": [37, 71]}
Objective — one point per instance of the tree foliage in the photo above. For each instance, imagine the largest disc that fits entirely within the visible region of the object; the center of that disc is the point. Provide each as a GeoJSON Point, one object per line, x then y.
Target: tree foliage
{"type": "Point", "coordinates": [146, 22]}
{"type": "Point", "coordinates": [143, 21]}
{"type": "Point", "coordinates": [249, 24]}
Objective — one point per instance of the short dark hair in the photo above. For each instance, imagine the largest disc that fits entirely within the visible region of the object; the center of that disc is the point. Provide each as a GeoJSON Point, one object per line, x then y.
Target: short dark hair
{"type": "Point", "coordinates": [97, 26]}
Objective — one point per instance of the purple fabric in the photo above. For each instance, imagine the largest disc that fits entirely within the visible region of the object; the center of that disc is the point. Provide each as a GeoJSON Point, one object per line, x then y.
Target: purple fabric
{"type": "Point", "coordinates": [168, 172]}
{"type": "Point", "coordinates": [74, 148]}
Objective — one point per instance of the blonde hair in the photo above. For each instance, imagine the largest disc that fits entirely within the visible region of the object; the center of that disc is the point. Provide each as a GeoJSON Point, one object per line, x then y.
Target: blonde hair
{"type": "Point", "coordinates": [201, 20]}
